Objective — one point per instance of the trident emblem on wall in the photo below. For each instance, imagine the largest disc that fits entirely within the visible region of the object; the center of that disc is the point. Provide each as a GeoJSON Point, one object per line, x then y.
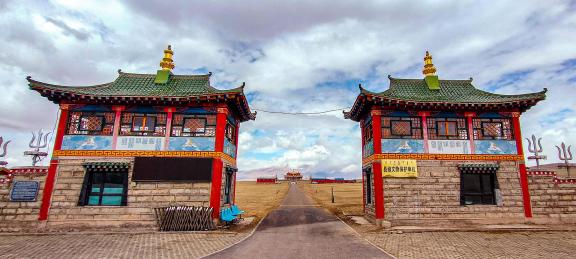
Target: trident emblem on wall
{"type": "Point", "coordinates": [36, 154]}
{"type": "Point", "coordinates": [4, 150]}
{"type": "Point", "coordinates": [536, 148]}
{"type": "Point", "coordinates": [565, 155]}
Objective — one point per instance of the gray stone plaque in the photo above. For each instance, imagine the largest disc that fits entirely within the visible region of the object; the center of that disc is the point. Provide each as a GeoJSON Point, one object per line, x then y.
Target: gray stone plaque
{"type": "Point", "coordinates": [24, 191]}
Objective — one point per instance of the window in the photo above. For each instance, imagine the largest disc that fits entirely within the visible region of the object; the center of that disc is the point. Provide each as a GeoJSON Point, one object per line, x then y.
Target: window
{"type": "Point", "coordinates": [143, 124]}
{"type": "Point", "coordinates": [447, 128]}
{"type": "Point", "coordinates": [230, 132]}
{"type": "Point", "coordinates": [401, 128]}
{"type": "Point", "coordinates": [367, 132]}
{"type": "Point", "coordinates": [90, 123]}
{"type": "Point", "coordinates": [477, 188]}
{"type": "Point", "coordinates": [228, 186]}
{"type": "Point", "coordinates": [368, 185]}
{"type": "Point", "coordinates": [194, 125]}
{"type": "Point", "coordinates": [104, 189]}
{"type": "Point", "coordinates": [190, 125]}
{"type": "Point", "coordinates": [499, 128]}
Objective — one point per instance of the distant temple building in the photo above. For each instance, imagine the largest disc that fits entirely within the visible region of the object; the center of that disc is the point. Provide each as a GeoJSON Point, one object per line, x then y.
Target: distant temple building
{"type": "Point", "coordinates": [436, 149]}
{"type": "Point", "coordinates": [139, 142]}
{"type": "Point", "coordinates": [293, 176]}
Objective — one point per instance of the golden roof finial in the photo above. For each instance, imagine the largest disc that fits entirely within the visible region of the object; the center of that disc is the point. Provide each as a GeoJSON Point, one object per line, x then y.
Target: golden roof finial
{"type": "Point", "coordinates": [429, 69]}
{"type": "Point", "coordinates": [167, 62]}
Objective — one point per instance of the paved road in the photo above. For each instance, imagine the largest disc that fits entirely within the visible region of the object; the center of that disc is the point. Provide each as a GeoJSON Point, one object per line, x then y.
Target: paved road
{"type": "Point", "coordinates": [299, 229]}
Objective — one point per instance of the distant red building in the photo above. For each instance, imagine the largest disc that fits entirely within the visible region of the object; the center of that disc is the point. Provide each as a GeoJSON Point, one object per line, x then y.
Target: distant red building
{"type": "Point", "coordinates": [266, 179]}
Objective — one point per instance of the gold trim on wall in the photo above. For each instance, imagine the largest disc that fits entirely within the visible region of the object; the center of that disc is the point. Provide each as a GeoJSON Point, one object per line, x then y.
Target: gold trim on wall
{"type": "Point", "coordinates": [376, 157]}
{"type": "Point", "coordinates": [146, 153]}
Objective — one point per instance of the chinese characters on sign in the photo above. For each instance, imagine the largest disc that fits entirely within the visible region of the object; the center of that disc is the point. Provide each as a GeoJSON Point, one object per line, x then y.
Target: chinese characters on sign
{"type": "Point", "coordinates": [399, 168]}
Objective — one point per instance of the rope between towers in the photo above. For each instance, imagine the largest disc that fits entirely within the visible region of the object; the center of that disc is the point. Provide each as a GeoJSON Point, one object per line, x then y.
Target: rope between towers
{"type": "Point", "coordinates": [302, 113]}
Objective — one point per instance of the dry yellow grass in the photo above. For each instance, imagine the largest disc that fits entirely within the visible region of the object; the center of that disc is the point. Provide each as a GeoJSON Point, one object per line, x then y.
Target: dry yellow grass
{"type": "Point", "coordinates": [347, 197]}
{"type": "Point", "coordinates": [257, 199]}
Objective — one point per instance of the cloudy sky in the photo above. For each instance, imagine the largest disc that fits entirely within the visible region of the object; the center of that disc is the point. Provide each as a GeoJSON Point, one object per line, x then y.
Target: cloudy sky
{"type": "Point", "coordinates": [295, 56]}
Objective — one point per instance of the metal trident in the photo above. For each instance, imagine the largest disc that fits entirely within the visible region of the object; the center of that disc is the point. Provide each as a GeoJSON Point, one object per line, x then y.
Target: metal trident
{"type": "Point", "coordinates": [37, 156]}
{"type": "Point", "coordinates": [565, 156]}
{"type": "Point", "coordinates": [4, 150]}
{"type": "Point", "coordinates": [536, 148]}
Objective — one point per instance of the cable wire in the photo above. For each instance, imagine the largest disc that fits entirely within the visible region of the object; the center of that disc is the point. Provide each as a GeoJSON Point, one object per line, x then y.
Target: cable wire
{"type": "Point", "coordinates": [301, 113]}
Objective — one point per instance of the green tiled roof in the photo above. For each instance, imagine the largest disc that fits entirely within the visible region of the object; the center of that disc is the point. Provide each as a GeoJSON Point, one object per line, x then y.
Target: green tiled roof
{"type": "Point", "coordinates": [451, 91]}
{"type": "Point", "coordinates": [129, 88]}
{"type": "Point", "coordinates": [142, 85]}
{"type": "Point", "coordinates": [414, 94]}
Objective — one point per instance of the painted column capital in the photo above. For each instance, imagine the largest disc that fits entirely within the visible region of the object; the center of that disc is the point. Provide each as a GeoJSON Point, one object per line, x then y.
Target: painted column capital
{"type": "Point", "coordinates": [470, 114]}
{"type": "Point", "coordinates": [423, 113]}
{"type": "Point", "coordinates": [222, 110]}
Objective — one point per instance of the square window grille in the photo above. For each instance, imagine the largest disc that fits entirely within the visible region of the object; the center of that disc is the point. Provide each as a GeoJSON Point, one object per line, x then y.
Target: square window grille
{"type": "Point", "coordinates": [194, 125]}
{"type": "Point", "coordinates": [91, 123]}
{"type": "Point", "coordinates": [492, 129]}
{"type": "Point", "coordinates": [401, 128]}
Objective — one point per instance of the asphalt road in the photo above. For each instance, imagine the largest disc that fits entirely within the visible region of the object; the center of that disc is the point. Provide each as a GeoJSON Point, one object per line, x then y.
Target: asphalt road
{"type": "Point", "coordinates": [300, 229]}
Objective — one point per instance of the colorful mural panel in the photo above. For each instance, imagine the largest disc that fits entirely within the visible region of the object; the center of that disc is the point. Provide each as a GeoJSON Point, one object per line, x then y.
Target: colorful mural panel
{"type": "Point", "coordinates": [85, 142]}
{"type": "Point", "coordinates": [495, 147]}
{"type": "Point", "coordinates": [192, 144]}
{"type": "Point", "coordinates": [449, 146]}
{"type": "Point", "coordinates": [403, 146]}
{"type": "Point", "coordinates": [140, 143]}
{"type": "Point", "coordinates": [229, 148]}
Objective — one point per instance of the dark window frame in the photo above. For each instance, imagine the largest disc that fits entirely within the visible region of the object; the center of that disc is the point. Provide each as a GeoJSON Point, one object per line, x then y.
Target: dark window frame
{"type": "Point", "coordinates": [86, 191]}
{"type": "Point", "coordinates": [230, 136]}
{"type": "Point", "coordinates": [462, 131]}
{"type": "Point", "coordinates": [368, 132]}
{"type": "Point", "coordinates": [446, 132]}
{"type": "Point", "coordinates": [145, 119]}
{"type": "Point", "coordinates": [73, 125]}
{"type": "Point", "coordinates": [485, 193]}
{"type": "Point", "coordinates": [195, 118]}
{"type": "Point", "coordinates": [126, 128]}
{"type": "Point", "coordinates": [416, 127]}
{"type": "Point", "coordinates": [102, 124]}
{"type": "Point", "coordinates": [400, 121]}
{"type": "Point", "coordinates": [228, 190]}
{"type": "Point", "coordinates": [368, 183]}
{"type": "Point", "coordinates": [177, 128]}
{"type": "Point", "coordinates": [493, 122]}
{"type": "Point", "coordinates": [506, 133]}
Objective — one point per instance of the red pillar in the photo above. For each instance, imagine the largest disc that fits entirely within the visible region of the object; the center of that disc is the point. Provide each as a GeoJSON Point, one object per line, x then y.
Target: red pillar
{"type": "Point", "coordinates": [169, 112]}
{"type": "Point", "coordinates": [470, 116]}
{"type": "Point", "coordinates": [377, 166]}
{"type": "Point", "coordinates": [362, 167]}
{"type": "Point", "coordinates": [51, 177]}
{"type": "Point", "coordinates": [117, 120]}
{"type": "Point", "coordinates": [523, 174]}
{"type": "Point", "coordinates": [217, 165]}
{"type": "Point", "coordinates": [424, 116]}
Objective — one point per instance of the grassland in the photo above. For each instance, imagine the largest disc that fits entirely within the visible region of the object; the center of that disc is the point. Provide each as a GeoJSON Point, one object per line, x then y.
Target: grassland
{"type": "Point", "coordinates": [257, 199]}
{"type": "Point", "coordinates": [347, 197]}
